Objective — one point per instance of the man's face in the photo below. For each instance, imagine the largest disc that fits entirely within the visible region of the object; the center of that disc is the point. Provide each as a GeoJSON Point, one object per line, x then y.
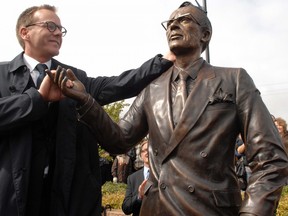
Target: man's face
{"type": "Point", "coordinates": [144, 154]}
{"type": "Point", "coordinates": [279, 127]}
{"type": "Point", "coordinates": [39, 41]}
{"type": "Point", "coordinates": [183, 32]}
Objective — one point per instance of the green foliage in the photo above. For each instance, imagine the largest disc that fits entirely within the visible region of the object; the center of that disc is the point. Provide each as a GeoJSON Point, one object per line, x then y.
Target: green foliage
{"type": "Point", "coordinates": [283, 203]}
{"type": "Point", "coordinates": [114, 109]}
{"type": "Point", "coordinates": [113, 194]}
{"type": "Point", "coordinates": [104, 154]}
{"type": "Point", "coordinates": [285, 191]}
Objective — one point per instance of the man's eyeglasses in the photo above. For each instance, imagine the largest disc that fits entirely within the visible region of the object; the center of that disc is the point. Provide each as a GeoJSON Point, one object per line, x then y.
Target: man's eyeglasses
{"type": "Point", "coordinates": [51, 26]}
{"type": "Point", "coordinates": [182, 19]}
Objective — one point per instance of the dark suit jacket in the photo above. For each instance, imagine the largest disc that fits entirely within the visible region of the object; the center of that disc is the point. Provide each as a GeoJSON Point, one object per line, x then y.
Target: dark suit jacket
{"type": "Point", "coordinates": [76, 189]}
{"type": "Point", "coordinates": [192, 166]}
{"type": "Point", "coordinates": [131, 203]}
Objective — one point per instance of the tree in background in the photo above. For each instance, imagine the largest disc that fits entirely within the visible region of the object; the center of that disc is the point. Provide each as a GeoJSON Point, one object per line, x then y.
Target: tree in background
{"type": "Point", "coordinates": [113, 110]}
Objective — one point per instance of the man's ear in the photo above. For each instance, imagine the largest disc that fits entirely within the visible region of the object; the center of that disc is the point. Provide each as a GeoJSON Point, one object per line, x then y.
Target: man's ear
{"type": "Point", "coordinates": [24, 33]}
{"type": "Point", "coordinates": [206, 36]}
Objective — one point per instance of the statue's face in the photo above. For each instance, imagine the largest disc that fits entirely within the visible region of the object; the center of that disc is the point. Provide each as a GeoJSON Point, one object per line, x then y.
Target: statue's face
{"type": "Point", "coordinates": [185, 31]}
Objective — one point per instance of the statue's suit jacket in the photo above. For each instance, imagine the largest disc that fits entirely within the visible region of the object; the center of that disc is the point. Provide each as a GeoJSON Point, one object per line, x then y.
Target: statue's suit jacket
{"type": "Point", "coordinates": [192, 165]}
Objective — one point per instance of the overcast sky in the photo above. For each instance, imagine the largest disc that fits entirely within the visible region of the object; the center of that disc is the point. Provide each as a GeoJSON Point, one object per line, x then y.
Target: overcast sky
{"type": "Point", "coordinates": [107, 37]}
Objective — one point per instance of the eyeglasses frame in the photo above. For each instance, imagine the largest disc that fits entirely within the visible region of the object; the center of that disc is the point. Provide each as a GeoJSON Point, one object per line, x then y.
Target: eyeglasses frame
{"type": "Point", "coordinates": [48, 23]}
{"type": "Point", "coordinates": [179, 17]}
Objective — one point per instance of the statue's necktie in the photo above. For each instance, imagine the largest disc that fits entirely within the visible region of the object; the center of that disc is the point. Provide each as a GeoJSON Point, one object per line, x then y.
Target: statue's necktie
{"type": "Point", "coordinates": [41, 68]}
{"type": "Point", "coordinates": [180, 97]}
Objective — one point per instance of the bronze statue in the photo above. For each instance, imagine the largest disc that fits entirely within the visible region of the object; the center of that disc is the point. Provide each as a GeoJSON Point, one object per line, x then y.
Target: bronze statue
{"type": "Point", "coordinates": [192, 161]}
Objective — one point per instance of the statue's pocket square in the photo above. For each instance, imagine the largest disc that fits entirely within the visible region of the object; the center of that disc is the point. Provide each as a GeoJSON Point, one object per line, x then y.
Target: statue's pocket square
{"type": "Point", "coordinates": [221, 97]}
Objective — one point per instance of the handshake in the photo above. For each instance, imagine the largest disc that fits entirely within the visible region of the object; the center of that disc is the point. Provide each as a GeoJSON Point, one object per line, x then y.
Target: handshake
{"type": "Point", "coordinates": [62, 83]}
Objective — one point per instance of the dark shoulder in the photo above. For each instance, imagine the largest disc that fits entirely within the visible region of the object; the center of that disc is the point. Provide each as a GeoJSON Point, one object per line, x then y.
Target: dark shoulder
{"type": "Point", "coordinates": [226, 70]}
{"type": "Point", "coordinates": [78, 72]}
{"type": "Point", "coordinates": [136, 174]}
{"type": "Point", "coordinates": [55, 63]}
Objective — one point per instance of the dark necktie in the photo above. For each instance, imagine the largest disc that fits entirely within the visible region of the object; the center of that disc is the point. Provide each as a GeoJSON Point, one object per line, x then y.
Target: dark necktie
{"type": "Point", "coordinates": [180, 97]}
{"type": "Point", "coordinates": [41, 68]}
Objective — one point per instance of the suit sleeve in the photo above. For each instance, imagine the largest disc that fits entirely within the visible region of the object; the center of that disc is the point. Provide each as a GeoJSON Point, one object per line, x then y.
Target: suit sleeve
{"type": "Point", "coordinates": [114, 138]}
{"type": "Point", "coordinates": [264, 151]}
{"type": "Point", "coordinates": [131, 203]}
{"type": "Point", "coordinates": [20, 109]}
{"type": "Point", "coordinates": [128, 84]}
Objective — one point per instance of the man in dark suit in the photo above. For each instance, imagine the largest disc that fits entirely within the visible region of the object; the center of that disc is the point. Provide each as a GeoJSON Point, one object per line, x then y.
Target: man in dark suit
{"type": "Point", "coordinates": [191, 157]}
{"type": "Point", "coordinates": [135, 184]}
{"type": "Point", "coordinates": [49, 163]}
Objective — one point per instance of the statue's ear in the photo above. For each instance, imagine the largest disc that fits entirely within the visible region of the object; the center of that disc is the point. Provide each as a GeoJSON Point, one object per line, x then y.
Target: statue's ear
{"type": "Point", "coordinates": [206, 36]}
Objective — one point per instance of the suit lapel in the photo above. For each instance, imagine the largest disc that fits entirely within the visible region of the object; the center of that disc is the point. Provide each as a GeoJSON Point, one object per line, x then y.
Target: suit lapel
{"type": "Point", "coordinates": [21, 76]}
{"type": "Point", "coordinates": [139, 177]}
{"type": "Point", "coordinates": [22, 79]}
{"type": "Point", "coordinates": [160, 103]}
{"type": "Point", "coordinates": [196, 103]}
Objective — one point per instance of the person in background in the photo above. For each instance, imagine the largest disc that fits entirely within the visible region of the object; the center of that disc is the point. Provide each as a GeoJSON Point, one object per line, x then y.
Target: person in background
{"type": "Point", "coordinates": [281, 125]}
{"type": "Point", "coordinates": [121, 168]}
{"type": "Point", "coordinates": [243, 171]}
{"type": "Point", "coordinates": [136, 183]}
{"type": "Point", "coordinates": [138, 163]}
{"type": "Point", "coordinates": [49, 163]}
{"type": "Point", "coordinates": [192, 139]}
{"type": "Point", "coordinates": [132, 154]}
{"type": "Point", "coordinates": [105, 164]}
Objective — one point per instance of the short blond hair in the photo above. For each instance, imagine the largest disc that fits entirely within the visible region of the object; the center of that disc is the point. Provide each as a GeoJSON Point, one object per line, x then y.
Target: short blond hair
{"type": "Point", "coordinates": [145, 141]}
{"type": "Point", "coordinates": [26, 18]}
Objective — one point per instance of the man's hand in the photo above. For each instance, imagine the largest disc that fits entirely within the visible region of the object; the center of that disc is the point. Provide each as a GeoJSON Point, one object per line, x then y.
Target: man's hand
{"type": "Point", "coordinates": [170, 56]}
{"type": "Point", "coordinates": [141, 189]}
{"type": "Point", "coordinates": [241, 149]}
{"type": "Point", "coordinates": [69, 84]}
{"type": "Point", "coordinates": [49, 90]}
